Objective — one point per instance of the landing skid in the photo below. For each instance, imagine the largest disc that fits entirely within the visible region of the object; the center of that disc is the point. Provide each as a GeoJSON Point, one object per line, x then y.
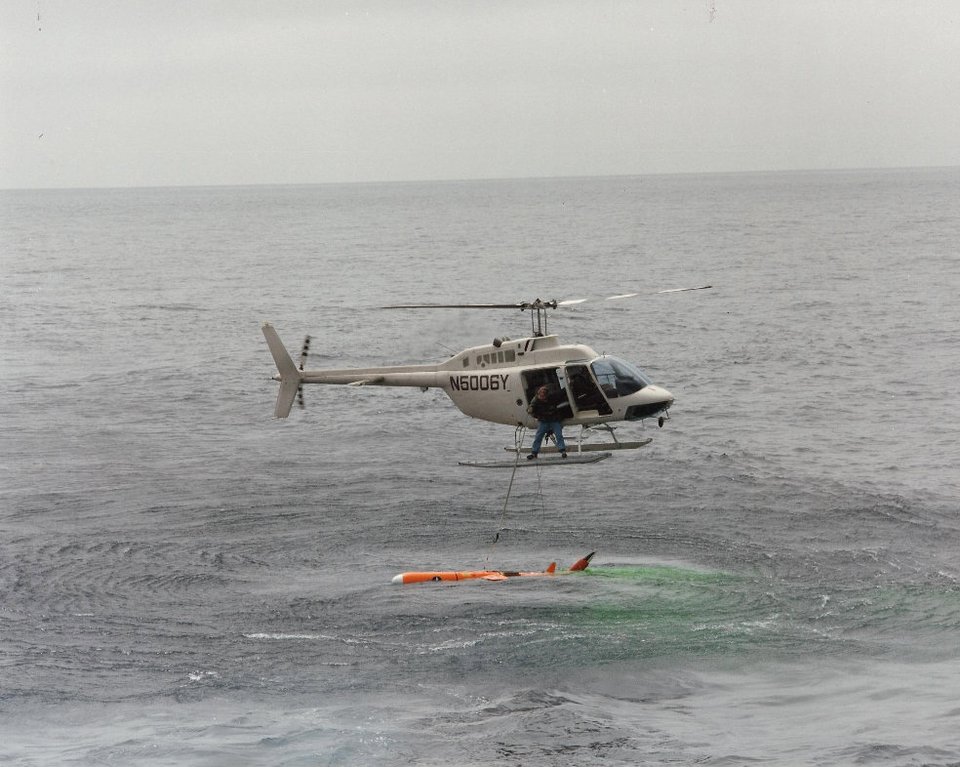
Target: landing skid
{"type": "Point", "coordinates": [585, 447]}
{"type": "Point", "coordinates": [549, 455]}
{"type": "Point", "coordinates": [589, 447]}
{"type": "Point", "coordinates": [544, 461]}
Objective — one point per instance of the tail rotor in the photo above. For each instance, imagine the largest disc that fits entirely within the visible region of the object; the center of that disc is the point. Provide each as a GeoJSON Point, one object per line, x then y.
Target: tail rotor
{"type": "Point", "coordinates": [304, 353]}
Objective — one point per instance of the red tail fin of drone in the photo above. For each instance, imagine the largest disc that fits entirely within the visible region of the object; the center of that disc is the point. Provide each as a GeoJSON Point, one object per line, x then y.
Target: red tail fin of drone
{"type": "Point", "coordinates": [581, 564]}
{"type": "Point", "coordinates": [552, 568]}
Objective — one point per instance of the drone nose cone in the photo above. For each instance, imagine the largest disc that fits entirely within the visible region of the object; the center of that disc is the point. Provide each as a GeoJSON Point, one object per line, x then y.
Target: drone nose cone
{"type": "Point", "coordinates": [397, 578]}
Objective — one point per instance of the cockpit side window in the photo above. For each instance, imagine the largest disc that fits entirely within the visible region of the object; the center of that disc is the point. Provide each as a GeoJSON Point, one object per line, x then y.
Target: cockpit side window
{"type": "Point", "coordinates": [618, 378]}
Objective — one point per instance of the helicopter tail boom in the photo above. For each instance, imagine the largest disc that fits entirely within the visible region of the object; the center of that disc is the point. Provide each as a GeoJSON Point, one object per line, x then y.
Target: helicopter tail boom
{"type": "Point", "coordinates": [292, 378]}
{"type": "Point", "coordinates": [287, 372]}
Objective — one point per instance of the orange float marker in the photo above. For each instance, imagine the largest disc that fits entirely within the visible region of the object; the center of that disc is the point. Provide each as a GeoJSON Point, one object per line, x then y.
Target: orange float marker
{"type": "Point", "coordinates": [486, 575]}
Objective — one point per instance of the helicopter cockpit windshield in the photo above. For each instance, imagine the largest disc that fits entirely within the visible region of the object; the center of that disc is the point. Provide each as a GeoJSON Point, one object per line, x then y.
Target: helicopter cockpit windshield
{"type": "Point", "coordinates": [618, 378]}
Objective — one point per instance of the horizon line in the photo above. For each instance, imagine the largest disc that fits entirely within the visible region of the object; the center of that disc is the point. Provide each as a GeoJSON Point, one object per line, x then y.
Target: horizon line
{"type": "Point", "coordinates": [488, 179]}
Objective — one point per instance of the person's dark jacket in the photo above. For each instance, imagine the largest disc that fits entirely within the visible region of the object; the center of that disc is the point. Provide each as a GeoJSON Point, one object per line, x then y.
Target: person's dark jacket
{"type": "Point", "coordinates": [548, 409]}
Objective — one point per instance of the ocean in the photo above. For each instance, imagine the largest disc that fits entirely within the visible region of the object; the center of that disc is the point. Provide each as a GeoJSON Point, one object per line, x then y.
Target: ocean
{"type": "Point", "coordinates": [187, 581]}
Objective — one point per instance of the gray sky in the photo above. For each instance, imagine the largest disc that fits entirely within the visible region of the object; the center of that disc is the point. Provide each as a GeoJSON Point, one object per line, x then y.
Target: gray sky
{"type": "Point", "coordinates": [137, 93]}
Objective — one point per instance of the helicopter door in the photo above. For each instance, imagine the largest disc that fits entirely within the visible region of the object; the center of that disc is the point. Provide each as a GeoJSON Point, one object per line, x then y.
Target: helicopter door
{"type": "Point", "coordinates": [586, 393]}
{"type": "Point", "coordinates": [555, 380]}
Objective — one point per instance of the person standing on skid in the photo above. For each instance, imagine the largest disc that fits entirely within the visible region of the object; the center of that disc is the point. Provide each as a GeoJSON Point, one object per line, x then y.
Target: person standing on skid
{"type": "Point", "coordinates": [544, 409]}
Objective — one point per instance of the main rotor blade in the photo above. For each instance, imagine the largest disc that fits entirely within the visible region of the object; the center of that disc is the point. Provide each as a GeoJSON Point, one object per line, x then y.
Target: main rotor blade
{"type": "Point", "coordinates": [572, 301]}
{"type": "Point", "coordinates": [454, 306]}
{"type": "Point", "coordinates": [681, 290]}
{"type": "Point", "coordinates": [537, 303]}
{"type": "Point", "coordinates": [619, 296]}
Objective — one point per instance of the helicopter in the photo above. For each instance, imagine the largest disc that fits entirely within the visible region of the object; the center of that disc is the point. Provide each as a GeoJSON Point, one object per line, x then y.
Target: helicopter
{"type": "Point", "coordinates": [498, 381]}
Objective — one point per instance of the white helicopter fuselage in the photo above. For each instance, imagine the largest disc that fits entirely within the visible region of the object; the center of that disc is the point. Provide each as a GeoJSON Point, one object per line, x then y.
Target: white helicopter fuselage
{"type": "Point", "coordinates": [496, 382]}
